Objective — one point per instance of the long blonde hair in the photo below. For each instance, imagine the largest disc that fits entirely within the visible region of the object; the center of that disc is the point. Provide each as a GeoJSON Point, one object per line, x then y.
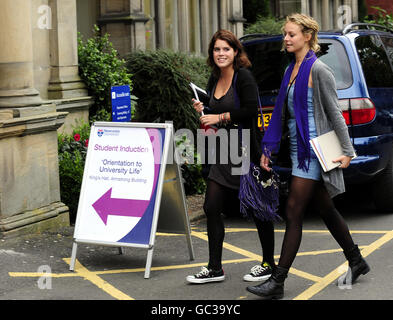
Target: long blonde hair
{"type": "Point", "coordinates": [308, 25]}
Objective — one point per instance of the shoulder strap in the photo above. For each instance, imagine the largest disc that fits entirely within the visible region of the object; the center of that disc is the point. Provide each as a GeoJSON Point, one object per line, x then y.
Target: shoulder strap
{"type": "Point", "coordinates": [237, 100]}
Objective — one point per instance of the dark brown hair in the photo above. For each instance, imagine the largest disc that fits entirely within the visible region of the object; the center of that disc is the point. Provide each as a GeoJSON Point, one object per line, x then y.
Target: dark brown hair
{"type": "Point", "coordinates": [241, 59]}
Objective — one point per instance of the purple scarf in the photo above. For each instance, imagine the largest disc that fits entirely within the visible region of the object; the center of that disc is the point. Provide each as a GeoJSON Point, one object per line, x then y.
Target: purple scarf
{"type": "Point", "coordinates": [272, 138]}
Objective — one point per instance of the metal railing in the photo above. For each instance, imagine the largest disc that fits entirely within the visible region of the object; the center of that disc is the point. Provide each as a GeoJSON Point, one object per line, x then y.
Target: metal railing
{"type": "Point", "coordinates": [368, 26]}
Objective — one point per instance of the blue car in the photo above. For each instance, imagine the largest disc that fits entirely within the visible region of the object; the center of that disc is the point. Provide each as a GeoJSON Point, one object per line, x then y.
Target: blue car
{"type": "Point", "coordinates": [361, 57]}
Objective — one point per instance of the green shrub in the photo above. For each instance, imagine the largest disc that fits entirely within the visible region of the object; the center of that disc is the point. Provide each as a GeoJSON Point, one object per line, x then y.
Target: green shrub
{"type": "Point", "coordinates": [382, 17]}
{"type": "Point", "coordinates": [72, 151]}
{"type": "Point", "coordinates": [193, 180]}
{"type": "Point", "coordinates": [253, 9]}
{"type": "Point", "coordinates": [265, 25]}
{"type": "Point", "coordinates": [191, 172]}
{"type": "Point", "coordinates": [100, 68]}
{"type": "Point", "coordinates": [161, 82]}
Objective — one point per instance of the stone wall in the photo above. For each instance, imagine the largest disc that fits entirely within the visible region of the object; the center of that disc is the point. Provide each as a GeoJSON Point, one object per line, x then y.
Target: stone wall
{"type": "Point", "coordinates": [40, 93]}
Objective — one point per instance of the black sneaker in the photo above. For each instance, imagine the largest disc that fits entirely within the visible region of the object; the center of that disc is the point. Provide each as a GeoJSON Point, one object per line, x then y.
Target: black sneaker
{"type": "Point", "coordinates": [206, 275]}
{"type": "Point", "coordinates": [259, 272]}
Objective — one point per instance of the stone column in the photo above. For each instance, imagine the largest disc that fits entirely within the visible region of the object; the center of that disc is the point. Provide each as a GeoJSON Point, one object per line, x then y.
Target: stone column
{"type": "Point", "coordinates": [16, 56]}
{"type": "Point", "coordinates": [195, 34]}
{"type": "Point", "coordinates": [224, 20]}
{"type": "Point", "coordinates": [205, 30]}
{"type": "Point", "coordinates": [65, 81]}
{"type": "Point", "coordinates": [161, 24]}
{"type": "Point", "coordinates": [236, 17]}
{"type": "Point", "coordinates": [214, 16]}
{"type": "Point", "coordinates": [65, 86]}
{"type": "Point", "coordinates": [348, 11]}
{"type": "Point", "coordinates": [305, 8]}
{"type": "Point", "coordinates": [29, 176]}
{"type": "Point", "coordinates": [355, 11]}
{"type": "Point", "coordinates": [336, 4]}
{"type": "Point", "coordinates": [184, 25]}
{"type": "Point", "coordinates": [175, 26]}
{"type": "Point", "coordinates": [315, 11]}
{"type": "Point", "coordinates": [138, 29]}
{"type": "Point", "coordinates": [326, 15]}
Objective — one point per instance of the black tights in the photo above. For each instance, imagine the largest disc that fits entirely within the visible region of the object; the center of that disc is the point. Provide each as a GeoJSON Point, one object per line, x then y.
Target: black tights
{"type": "Point", "coordinates": [215, 197]}
{"type": "Point", "coordinates": [303, 192]}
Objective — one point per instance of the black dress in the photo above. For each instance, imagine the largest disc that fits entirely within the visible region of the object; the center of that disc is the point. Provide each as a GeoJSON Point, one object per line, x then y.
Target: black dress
{"type": "Point", "coordinates": [221, 171]}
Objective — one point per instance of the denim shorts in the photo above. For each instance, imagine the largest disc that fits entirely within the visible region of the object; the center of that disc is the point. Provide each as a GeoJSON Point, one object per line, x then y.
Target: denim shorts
{"type": "Point", "coordinates": [314, 171]}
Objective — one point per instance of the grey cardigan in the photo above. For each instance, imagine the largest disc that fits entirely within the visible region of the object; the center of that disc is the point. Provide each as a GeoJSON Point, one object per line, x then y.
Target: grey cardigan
{"type": "Point", "coordinates": [328, 116]}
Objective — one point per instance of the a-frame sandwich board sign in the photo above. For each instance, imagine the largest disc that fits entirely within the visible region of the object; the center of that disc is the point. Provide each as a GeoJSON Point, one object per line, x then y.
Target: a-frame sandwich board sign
{"type": "Point", "coordinates": [130, 190]}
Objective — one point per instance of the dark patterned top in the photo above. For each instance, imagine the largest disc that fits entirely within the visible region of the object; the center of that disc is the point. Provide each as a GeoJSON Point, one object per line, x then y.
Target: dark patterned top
{"type": "Point", "coordinates": [225, 150]}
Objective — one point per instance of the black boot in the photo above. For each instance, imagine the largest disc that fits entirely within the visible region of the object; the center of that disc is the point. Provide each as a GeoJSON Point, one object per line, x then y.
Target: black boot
{"type": "Point", "coordinates": [273, 288]}
{"type": "Point", "coordinates": [357, 266]}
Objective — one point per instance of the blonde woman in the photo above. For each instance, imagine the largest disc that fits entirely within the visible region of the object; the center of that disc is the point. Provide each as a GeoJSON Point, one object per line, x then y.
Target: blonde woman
{"type": "Point", "coordinates": [308, 92]}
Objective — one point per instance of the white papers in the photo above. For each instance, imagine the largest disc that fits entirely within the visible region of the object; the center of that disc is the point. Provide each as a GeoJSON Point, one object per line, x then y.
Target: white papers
{"type": "Point", "coordinates": [199, 93]}
{"type": "Point", "coordinates": [327, 147]}
{"type": "Point", "coordinates": [195, 89]}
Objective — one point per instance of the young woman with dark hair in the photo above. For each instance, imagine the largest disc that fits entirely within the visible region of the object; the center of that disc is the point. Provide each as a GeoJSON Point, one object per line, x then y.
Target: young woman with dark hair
{"type": "Point", "coordinates": [233, 103]}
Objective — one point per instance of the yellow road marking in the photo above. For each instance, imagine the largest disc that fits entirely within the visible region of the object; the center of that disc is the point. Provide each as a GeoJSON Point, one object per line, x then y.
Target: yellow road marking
{"type": "Point", "coordinates": [320, 282]}
{"type": "Point", "coordinates": [332, 276]}
{"type": "Point", "coordinates": [40, 274]}
{"type": "Point", "coordinates": [228, 246]}
{"type": "Point", "coordinates": [165, 268]}
{"type": "Point", "coordinates": [256, 257]}
{"type": "Point", "coordinates": [79, 271]}
{"type": "Point", "coordinates": [117, 271]}
{"type": "Point", "coordinates": [315, 253]}
{"type": "Point", "coordinates": [304, 275]}
{"type": "Point", "coordinates": [164, 234]}
{"type": "Point", "coordinates": [307, 231]}
{"type": "Point", "coordinates": [100, 283]}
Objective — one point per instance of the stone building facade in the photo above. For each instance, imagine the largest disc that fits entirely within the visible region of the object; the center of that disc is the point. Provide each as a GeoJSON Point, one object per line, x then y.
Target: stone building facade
{"type": "Point", "coordinates": [187, 25]}
{"type": "Point", "coordinates": [180, 25]}
{"type": "Point", "coordinates": [40, 91]}
{"type": "Point", "coordinates": [330, 14]}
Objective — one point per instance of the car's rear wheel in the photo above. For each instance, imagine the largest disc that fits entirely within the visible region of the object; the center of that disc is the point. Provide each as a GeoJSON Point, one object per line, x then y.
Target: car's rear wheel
{"type": "Point", "coordinates": [383, 190]}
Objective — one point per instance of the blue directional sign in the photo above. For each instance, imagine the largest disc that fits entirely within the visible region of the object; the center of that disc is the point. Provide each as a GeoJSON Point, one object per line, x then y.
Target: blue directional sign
{"type": "Point", "coordinates": [121, 103]}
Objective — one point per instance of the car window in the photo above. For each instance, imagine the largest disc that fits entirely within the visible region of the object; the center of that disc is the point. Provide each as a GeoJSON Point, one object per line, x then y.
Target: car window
{"type": "Point", "coordinates": [375, 63]}
{"type": "Point", "coordinates": [269, 63]}
{"type": "Point", "coordinates": [388, 43]}
{"type": "Point", "coordinates": [334, 55]}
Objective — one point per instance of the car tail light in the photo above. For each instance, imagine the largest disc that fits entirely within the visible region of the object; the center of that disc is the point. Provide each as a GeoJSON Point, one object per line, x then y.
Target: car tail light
{"type": "Point", "coordinates": [362, 110]}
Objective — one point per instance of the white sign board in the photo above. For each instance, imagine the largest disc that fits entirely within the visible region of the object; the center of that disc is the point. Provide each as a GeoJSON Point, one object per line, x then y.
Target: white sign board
{"type": "Point", "coordinates": [122, 186]}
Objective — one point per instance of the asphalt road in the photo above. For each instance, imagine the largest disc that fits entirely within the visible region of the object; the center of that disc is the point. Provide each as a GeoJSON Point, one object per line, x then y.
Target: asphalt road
{"type": "Point", "coordinates": [101, 273]}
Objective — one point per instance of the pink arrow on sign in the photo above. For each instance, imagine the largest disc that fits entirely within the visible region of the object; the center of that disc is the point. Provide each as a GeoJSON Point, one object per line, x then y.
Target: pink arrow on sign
{"type": "Point", "coordinates": [106, 205]}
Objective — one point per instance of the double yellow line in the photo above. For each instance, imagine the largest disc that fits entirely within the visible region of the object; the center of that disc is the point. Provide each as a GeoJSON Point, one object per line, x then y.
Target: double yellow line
{"type": "Point", "coordinates": [319, 285]}
{"type": "Point", "coordinates": [320, 282]}
{"type": "Point", "coordinates": [332, 276]}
